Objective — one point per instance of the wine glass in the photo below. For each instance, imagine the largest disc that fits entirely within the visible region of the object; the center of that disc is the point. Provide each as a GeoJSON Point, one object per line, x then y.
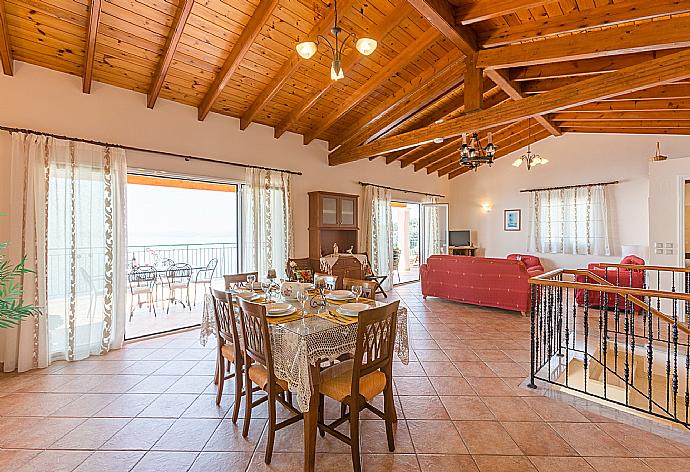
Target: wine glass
{"type": "Point", "coordinates": [251, 278]}
{"type": "Point", "coordinates": [302, 297]}
{"type": "Point", "coordinates": [266, 287]}
{"type": "Point", "coordinates": [357, 292]}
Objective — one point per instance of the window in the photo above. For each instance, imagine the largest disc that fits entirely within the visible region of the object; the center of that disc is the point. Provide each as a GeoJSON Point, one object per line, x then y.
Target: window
{"type": "Point", "coordinates": [570, 221]}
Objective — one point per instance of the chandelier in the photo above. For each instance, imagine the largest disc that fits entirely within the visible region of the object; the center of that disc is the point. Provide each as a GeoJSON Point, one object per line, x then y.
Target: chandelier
{"type": "Point", "coordinates": [365, 46]}
{"type": "Point", "coordinates": [529, 158]}
{"type": "Point", "coordinates": [473, 155]}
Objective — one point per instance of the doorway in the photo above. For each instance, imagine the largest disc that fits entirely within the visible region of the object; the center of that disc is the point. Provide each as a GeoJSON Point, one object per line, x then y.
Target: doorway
{"type": "Point", "coordinates": [178, 244]}
{"type": "Point", "coordinates": [406, 239]}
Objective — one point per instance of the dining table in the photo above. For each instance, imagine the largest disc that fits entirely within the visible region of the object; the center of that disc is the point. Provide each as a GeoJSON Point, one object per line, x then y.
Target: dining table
{"type": "Point", "coordinates": [303, 341]}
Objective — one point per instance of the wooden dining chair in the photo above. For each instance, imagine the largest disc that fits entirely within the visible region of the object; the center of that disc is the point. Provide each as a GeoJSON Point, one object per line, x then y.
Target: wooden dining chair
{"type": "Point", "coordinates": [259, 370]}
{"type": "Point", "coordinates": [354, 383]}
{"type": "Point", "coordinates": [234, 280]}
{"type": "Point", "coordinates": [228, 347]}
{"type": "Point", "coordinates": [329, 281]}
{"type": "Point", "coordinates": [368, 286]}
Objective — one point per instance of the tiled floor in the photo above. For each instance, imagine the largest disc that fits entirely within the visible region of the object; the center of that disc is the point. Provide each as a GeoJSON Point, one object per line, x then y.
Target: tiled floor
{"type": "Point", "coordinates": [151, 406]}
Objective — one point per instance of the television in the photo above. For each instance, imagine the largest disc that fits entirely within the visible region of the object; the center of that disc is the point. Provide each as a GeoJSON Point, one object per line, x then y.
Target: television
{"type": "Point", "coordinates": [459, 238]}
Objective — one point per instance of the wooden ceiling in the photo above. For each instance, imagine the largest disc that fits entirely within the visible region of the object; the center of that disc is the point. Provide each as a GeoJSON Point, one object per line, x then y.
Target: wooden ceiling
{"type": "Point", "coordinates": [523, 69]}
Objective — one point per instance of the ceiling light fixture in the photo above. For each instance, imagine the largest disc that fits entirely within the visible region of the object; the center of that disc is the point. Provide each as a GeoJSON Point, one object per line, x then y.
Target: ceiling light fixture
{"type": "Point", "coordinates": [529, 158]}
{"type": "Point", "coordinates": [307, 49]}
{"type": "Point", "coordinates": [473, 155]}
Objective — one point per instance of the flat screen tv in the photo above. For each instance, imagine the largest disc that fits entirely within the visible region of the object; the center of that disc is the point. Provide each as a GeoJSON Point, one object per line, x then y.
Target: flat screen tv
{"type": "Point", "coordinates": [459, 238]}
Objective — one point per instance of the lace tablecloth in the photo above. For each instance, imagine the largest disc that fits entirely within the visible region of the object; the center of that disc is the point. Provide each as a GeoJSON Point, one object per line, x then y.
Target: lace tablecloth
{"type": "Point", "coordinates": [299, 344]}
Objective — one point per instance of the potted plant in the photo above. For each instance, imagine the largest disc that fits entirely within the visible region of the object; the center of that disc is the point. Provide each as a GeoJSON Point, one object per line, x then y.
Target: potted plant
{"type": "Point", "coordinates": [12, 308]}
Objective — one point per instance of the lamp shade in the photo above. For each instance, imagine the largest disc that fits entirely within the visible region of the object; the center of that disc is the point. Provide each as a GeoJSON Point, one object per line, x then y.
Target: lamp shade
{"type": "Point", "coordinates": [337, 75]}
{"type": "Point", "coordinates": [517, 162]}
{"type": "Point", "coordinates": [366, 45]}
{"type": "Point", "coordinates": [306, 49]}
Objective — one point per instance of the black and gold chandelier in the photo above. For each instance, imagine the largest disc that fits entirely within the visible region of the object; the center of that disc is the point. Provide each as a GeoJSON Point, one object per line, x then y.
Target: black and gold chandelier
{"type": "Point", "coordinates": [473, 155]}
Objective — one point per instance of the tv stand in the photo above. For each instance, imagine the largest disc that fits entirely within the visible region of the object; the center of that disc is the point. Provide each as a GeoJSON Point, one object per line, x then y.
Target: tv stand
{"type": "Point", "coordinates": [462, 250]}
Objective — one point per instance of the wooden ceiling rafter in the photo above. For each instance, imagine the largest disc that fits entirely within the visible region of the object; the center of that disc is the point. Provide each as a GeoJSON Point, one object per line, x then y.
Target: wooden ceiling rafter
{"type": "Point", "coordinates": [178, 25]}
{"type": "Point", "coordinates": [6, 58]}
{"type": "Point", "coordinates": [630, 79]}
{"type": "Point", "coordinates": [249, 34]}
{"type": "Point", "coordinates": [91, 36]}
{"type": "Point", "coordinates": [482, 10]}
{"type": "Point", "coordinates": [289, 67]}
{"type": "Point", "coordinates": [440, 14]}
{"type": "Point", "coordinates": [410, 53]}
{"type": "Point", "coordinates": [349, 61]}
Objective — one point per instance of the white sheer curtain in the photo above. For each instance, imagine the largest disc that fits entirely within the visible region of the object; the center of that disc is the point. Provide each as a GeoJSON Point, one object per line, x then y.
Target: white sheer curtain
{"type": "Point", "coordinates": [432, 229]}
{"type": "Point", "coordinates": [377, 231]}
{"type": "Point", "coordinates": [266, 221]}
{"type": "Point", "coordinates": [71, 224]}
{"type": "Point", "coordinates": [570, 221]}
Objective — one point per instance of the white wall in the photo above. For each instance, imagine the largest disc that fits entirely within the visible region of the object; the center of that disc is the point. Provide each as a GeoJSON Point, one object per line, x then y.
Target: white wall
{"type": "Point", "coordinates": [574, 159]}
{"type": "Point", "coordinates": [45, 100]}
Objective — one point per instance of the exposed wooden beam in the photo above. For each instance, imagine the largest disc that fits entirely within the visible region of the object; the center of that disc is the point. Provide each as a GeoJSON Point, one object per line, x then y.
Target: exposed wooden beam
{"type": "Point", "coordinates": [412, 155]}
{"type": "Point", "coordinates": [441, 16]}
{"type": "Point", "coordinates": [425, 89]}
{"type": "Point", "coordinates": [616, 130]}
{"type": "Point", "coordinates": [474, 87]}
{"type": "Point", "coordinates": [178, 24]}
{"type": "Point", "coordinates": [5, 48]}
{"type": "Point", "coordinates": [289, 67]}
{"type": "Point", "coordinates": [668, 91]}
{"type": "Point", "coordinates": [602, 15]}
{"type": "Point", "coordinates": [634, 78]}
{"type": "Point", "coordinates": [450, 146]}
{"type": "Point", "coordinates": [349, 62]}
{"type": "Point", "coordinates": [91, 35]}
{"type": "Point", "coordinates": [634, 105]}
{"type": "Point", "coordinates": [616, 116]}
{"type": "Point", "coordinates": [482, 10]}
{"type": "Point", "coordinates": [249, 34]}
{"type": "Point", "coordinates": [641, 123]}
{"type": "Point", "coordinates": [653, 35]}
{"type": "Point", "coordinates": [411, 52]}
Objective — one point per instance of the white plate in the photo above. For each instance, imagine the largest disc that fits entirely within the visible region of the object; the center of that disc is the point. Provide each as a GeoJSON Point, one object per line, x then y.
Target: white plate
{"type": "Point", "coordinates": [278, 308]}
{"type": "Point", "coordinates": [340, 295]}
{"type": "Point", "coordinates": [254, 286]}
{"type": "Point", "coordinates": [247, 295]}
{"type": "Point", "coordinates": [290, 311]}
{"type": "Point", "coordinates": [352, 309]}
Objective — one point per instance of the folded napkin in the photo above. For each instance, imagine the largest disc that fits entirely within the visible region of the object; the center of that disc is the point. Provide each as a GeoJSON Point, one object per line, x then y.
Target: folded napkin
{"type": "Point", "coordinates": [337, 318]}
{"type": "Point", "coordinates": [298, 315]}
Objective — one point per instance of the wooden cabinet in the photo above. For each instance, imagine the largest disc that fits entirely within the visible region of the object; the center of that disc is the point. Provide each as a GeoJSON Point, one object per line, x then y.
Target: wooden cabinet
{"type": "Point", "coordinates": [333, 218]}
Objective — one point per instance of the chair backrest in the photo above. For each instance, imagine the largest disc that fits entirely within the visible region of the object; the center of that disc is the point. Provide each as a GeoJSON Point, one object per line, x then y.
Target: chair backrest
{"type": "Point", "coordinates": [233, 280]}
{"type": "Point", "coordinates": [329, 281]}
{"type": "Point", "coordinates": [368, 286]}
{"type": "Point", "coordinates": [375, 342]}
{"type": "Point", "coordinates": [255, 334]}
{"type": "Point", "coordinates": [179, 273]}
{"type": "Point", "coordinates": [632, 260]}
{"type": "Point", "coordinates": [142, 276]}
{"type": "Point", "coordinates": [226, 324]}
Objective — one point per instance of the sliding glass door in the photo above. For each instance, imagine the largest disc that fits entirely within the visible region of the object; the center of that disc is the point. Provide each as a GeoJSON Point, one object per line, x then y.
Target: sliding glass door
{"type": "Point", "coordinates": [434, 233]}
{"type": "Point", "coordinates": [405, 241]}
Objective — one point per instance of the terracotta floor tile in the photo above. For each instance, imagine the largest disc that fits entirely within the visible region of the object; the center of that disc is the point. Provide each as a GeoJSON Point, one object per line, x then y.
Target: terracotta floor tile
{"type": "Point", "coordinates": [155, 461]}
{"type": "Point", "coordinates": [55, 461]}
{"type": "Point", "coordinates": [503, 464]}
{"type": "Point", "coordinates": [423, 408]}
{"type": "Point", "coordinates": [430, 355]}
{"type": "Point", "coordinates": [554, 410]}
{"type": "Point", "coordinates": [561, 464]}
{"type": "Point", "coordinates": [449, 386]}
{"type": "Point", "coordinates": [618, 464]}
{"type": "Point", "coordinates": [205, 407]}
{"type": "Point", "coordinates": [435, 437]}
{"type": "Point", "coordinates": [466, 408]}
{"type": "Point", "coordinates": [91, 434]}
{"type": "Point", "coordinates": [154, 384]}
{"type": "Point", "coordinates": [490, 387]}
{"type": "Point", "coordinates": [641, 443]}
{"type": "Point", "coordinates": [414, 386]}
{"type": "Point", "coordinates": [510, 409]}
{"type": "Point", "coordinates": [588, 440]}
{"type": "Point", "coordinates": [191, 384]}
{"type": "Point", "coordinates": [13, 459]}
{"type": "Point", "coordinates": [127, 405]}
{"type": "Point", "coordinates": [34, 433]}
{"type": "Point", "coordinates": [221, 462]}
{"type": "Point", "coordinates": [474, 369]}
{"type": "Point", "coordinates": [373, 439]}
{"type": "Point", "coordinates": [462, 355]}
{"type": "Point", "coordinates": [538, 439]}
{"type": "Point", "coordinates": [440, 369]}
{"type": "Point", "coordinates": [446, 463]}
{"type": "Point", "coordinates": [486, 437]}
{"type": "Point", "coordinates": [228, 436]}
{"type": "Point", "coordinates": [140, 434]}
{"type": "Point", "coordinates": [168, 405]}
{"type": "Point", "coordinates": [86, 405]}
{"type": "Point", "coordinates": [390, 462]}
{"type": "Point", "coordinates": [34, 404]}
{"type": "Point", "coordinates": [668, 464]}
{"type": "Point", "coordinates": [187, 434]}
{"type": "Point", "coordinates": [110, 461]}
{"type": "Point", "coordinates": [413, 369]}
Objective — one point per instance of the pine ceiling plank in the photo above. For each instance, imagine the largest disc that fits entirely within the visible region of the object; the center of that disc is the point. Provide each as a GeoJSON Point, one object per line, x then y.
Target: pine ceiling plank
{"type": "Point", "coordinates": [91, 34]}
{"type": "Point", "coordinates": [181, 15]}
{"type": "Point", "coordinates": [634, 106]}
{"type": "Point", "coordinates": [482, 10]}
{"type": "Point", "coordinates": [653, 35]}
{"type": "Point", "coordinates": [617, 130]}
{"type": "Point", "coordinates": [629, 10]}
{"type": "Point", "coordinates": [440, 14]}
{"type": "Point", "coordinates": [634, 78]}
{"type": "Point", "coordinates": [349, 63]}
{"type": "Point", "coordinates": [249, 34]}
{"type": "Point", "coordinates": [409, 54]}
{"type": "Point", "coordinates": [623, 115]}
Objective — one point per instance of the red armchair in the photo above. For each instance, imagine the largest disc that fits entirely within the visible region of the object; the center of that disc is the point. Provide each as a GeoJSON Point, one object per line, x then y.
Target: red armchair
{"type": "Point", "coordinates": [533, 263]}
{"type": "Point", "coordinates": [621, 277]}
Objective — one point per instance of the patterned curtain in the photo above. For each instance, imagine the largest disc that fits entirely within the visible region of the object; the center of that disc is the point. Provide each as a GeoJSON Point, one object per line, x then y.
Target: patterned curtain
{"type": "Point", "coordinates": [266, 221]}
{"type": "Point", "coordinates": [71, 226]}
{"type": "Point", "coordinates": [570, 221]}
{"type": "Point", "coordinates": [377, 230]}
{"type": "Point", "coordinates": [432, 230]}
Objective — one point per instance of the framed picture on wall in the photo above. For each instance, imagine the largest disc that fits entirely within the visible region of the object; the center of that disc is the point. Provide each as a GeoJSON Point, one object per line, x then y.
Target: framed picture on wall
{"type": "Point", "coordinates": [511, 220]}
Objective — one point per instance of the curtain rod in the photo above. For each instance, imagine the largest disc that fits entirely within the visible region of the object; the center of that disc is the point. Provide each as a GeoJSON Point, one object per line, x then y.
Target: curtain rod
{"type": "Point", "coordinates": [403, 190]}
{"type": "Point", "coordinates": [613, 182]}
{"type": "Point", "coordinates": [153, 151]}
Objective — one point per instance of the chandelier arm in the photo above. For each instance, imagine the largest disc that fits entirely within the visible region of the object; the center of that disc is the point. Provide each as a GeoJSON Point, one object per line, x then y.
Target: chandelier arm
{"type": "Point", "coordinates": [342, 44]}
{"type": "Point", "coordinates": [321, 38]}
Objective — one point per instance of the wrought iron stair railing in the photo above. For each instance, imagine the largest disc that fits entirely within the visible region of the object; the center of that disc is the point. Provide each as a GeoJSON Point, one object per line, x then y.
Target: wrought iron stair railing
{"type": "Point", "coordinates": [620, 333]}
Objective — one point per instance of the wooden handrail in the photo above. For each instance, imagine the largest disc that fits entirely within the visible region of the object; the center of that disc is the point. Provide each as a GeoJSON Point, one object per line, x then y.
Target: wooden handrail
{"type": "Point", "coordinates": [642, 267]}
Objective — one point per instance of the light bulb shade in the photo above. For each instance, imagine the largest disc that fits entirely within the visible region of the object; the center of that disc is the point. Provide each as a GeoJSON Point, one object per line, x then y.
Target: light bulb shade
{"type": "Point", "coordinates": [536, 160]}
{"type": "Point", "coordinates": [306, 49]}
{"type": "Point", "coordinates": [366, 45]}
{"type": "Point", "coordinates": [544, 161]}
{"type": "Point", "coordinates": [337, 71]}
{"type": "Point", "coordinates": [517, 162]}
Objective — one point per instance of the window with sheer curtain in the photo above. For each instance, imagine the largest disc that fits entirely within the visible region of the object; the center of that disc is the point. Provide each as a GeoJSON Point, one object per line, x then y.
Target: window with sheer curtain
{"type": "Point", "coordinates": [570, 221]}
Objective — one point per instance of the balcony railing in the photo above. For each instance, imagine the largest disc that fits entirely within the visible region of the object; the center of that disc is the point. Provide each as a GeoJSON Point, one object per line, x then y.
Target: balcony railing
{"type": "Point", "coordinates": [619, 333]}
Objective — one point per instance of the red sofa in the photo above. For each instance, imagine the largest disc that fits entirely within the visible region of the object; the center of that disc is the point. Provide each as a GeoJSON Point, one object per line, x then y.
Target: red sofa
{"type": "Point", "coordinates": [621, 277]}
{"type": "Point", "coordinates": [498, 283]}
{"type": "Point", "coordinates": [533, 263]}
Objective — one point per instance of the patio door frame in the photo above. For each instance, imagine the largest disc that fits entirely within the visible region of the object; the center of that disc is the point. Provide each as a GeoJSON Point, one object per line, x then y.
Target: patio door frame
{"type": "Point", "coordinates": [422, 229]}
{"type": "Point", "coordinates": [419, 242]}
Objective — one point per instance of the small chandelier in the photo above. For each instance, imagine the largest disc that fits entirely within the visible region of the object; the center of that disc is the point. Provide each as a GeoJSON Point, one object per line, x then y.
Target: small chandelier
{"type": "Point", "coordinates": [529, 158]}
{"type": "Point", "coordinates": [473, 155]}
{"type": "Point", "coordinates": [365, 46]}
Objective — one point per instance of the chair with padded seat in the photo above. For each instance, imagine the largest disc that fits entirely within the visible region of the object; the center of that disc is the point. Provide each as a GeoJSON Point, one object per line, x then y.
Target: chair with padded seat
{"type": "Point", "coordinates": [233, 281]}
{"type": "Point", "coordinates": [356, 382]}
{"type": "Point", "coordinates": [368, 286]}
{"type": "Point", "coordinates": [326, 280]}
